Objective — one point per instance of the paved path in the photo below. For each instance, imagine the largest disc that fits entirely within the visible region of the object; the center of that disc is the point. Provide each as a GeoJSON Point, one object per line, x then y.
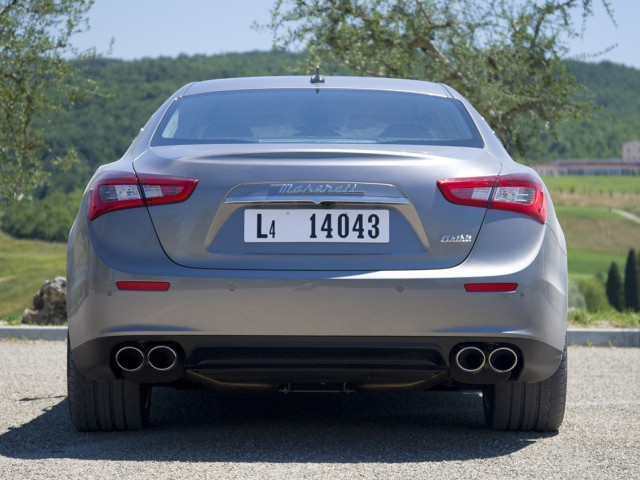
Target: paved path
{"type": "Point", "coordinates": [204, 435]}
{"type": "Point", "coordinates": [627, 215]}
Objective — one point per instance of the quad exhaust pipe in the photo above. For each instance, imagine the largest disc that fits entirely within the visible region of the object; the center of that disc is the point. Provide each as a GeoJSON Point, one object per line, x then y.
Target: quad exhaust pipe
{"type": "Point", "coordinates": [472, 359]}
{"type": "Point", "coordinates": [160, 358]}
{"type": "Point", "coordinates": [503, 360]}
{"type": "Point", "coordinates": [130, 359]}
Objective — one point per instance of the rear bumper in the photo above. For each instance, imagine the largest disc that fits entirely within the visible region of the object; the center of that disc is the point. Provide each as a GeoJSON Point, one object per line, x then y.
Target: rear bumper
{"type": "Point", "coordinates": [393, 310]}
{"type": "Point", "coordinates": [271, 362]}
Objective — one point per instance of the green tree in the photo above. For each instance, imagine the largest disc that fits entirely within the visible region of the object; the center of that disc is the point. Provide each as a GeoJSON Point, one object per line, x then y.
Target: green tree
{"type": "Point", "coordinates": [615, 293]}
{"type": "Point", "coordinates": [505, 56]}
{"type": "Point", "coordinates": [35, 80]}
{"type": "Point", "coordinates": [631, 292]}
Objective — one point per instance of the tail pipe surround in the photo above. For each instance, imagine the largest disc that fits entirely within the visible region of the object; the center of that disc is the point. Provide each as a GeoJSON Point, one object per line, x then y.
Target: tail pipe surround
{"type": "Point", "coordinates": [483, 363]}
{"type": "Point", "coordinates": [470, 359]}
{"type": "Point", "coordinates": [162, 358]}
{"type": "Point", "coordinates": [130, 359]}
{"type": "Point", "coordinates": [503, 360]}
{"type": "Point", "coordinates": [157, 364]}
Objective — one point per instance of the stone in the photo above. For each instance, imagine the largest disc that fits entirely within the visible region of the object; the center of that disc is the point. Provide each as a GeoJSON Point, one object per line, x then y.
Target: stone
{"type": "Point", "coordinates": [49, 304]}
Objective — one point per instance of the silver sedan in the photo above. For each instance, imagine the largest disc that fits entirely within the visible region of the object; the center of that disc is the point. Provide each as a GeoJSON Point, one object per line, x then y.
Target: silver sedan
{"type": "Point", "coordinates": [325, 234]}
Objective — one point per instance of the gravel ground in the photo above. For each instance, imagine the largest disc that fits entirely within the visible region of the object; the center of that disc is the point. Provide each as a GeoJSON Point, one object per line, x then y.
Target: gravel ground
{"type": "Point", "coordinates": [204, 435]}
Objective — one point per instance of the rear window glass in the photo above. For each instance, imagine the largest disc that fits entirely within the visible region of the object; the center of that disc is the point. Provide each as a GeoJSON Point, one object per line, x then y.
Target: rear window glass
{"type": "Point", "coordinates": [310, 116]}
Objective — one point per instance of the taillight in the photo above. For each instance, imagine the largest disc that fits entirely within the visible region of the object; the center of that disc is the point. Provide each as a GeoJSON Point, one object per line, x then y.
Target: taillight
{"type": "Point", "coordinates": [119, 190]}
{"type": "Point", "coordinates": [517, 193]}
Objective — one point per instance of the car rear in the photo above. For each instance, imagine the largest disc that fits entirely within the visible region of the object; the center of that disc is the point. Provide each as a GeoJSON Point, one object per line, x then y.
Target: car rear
{"type": "Point", "coordinates": [267, 234]}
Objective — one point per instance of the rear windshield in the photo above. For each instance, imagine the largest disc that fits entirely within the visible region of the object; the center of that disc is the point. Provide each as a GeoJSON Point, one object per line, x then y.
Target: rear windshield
{"type": "Point", "coordinates": [323, 116]}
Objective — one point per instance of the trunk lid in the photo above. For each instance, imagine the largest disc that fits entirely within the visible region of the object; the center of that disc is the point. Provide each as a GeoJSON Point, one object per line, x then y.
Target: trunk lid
{"type": "Point", "coordinates": [299, 208]}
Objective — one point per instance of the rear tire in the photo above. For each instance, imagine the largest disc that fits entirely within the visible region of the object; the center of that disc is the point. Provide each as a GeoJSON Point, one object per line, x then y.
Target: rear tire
{"type": "Point", "coordinates": [106, 406]}
{"type": "Point", "coordinates": [524, 407]}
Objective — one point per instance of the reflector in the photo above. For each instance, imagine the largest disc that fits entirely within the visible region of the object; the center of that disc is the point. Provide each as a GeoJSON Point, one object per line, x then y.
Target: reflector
{"type": "Point", "coordinates": [134, 285]}
{"type": "Point", "coordinates": [490, 287]}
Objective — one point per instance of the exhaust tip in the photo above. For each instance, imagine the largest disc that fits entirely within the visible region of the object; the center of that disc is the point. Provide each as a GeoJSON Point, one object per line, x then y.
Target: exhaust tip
{"type": "Point", "coordinates": [503, 360]}
{"type": "Point", "coordinates": [470, 359]}
{"type": "Point", "coordinates": [162, 358]}
{"type": "Point", "coordinates": [130, 359]}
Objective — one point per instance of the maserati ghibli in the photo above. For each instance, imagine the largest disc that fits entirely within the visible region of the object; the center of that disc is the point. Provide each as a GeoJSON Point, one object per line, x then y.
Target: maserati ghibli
{"type": "Point", "coordinates": [338, 234]}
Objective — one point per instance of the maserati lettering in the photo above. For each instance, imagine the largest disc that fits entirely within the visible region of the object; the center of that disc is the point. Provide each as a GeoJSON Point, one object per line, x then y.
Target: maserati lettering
{"type": "Point", "coordinates": [315, 188]}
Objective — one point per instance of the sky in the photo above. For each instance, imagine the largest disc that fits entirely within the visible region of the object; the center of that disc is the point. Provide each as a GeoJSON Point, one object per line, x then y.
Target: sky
{"type": "Point", "coordinates": [154, 28]}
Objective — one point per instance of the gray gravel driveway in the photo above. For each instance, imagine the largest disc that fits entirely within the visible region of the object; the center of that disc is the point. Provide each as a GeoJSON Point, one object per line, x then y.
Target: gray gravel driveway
{"type": "Point", "coordinates": [205, 435]}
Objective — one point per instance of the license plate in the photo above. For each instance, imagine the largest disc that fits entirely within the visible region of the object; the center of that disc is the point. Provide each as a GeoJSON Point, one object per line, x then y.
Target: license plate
{"type": "Point", "coordinates": [316, 226]}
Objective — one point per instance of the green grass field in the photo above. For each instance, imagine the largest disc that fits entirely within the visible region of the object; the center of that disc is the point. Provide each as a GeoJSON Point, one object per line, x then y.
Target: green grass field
{"type": "Point", "coordinates": [24, 265]}
{"type": "Point", "coordinates": [596, 186]}
{"type": "Point", "coordinates": [596, 235]}
{"type": "Point", "coordinates": [600, 192]}
{"type": "Point", "coordinates": [586, 263]}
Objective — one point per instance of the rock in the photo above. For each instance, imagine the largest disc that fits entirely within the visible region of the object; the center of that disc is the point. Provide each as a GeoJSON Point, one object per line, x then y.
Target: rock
{"type": "Point", "coordinates": [49, 304]}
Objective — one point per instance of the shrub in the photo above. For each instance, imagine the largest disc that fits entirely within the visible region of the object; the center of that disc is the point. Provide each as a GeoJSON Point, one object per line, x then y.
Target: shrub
{"type": "Point", "coordinates": [576, 299]}
{"type": "Point", "coordinates": [47, 219]}
{"type": "Point", "coordinates": [594, 294]}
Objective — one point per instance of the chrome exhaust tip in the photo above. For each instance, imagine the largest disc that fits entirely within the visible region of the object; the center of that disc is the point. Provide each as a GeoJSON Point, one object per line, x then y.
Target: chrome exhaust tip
{"type": "Point", "coordinates": [162, 358]}
{"type": "Point", "coordinates": [470, 359]}
{"type": "Point", "coordinates": [130, 359]}
{"type": "Point", "coordinates": [503, 360]}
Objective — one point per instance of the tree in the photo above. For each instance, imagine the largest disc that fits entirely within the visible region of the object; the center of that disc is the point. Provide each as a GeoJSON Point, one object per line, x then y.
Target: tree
{"type": "Point", "coordinates": [505, 56]}
{"type": "Point", "coordinates": [35, 80]}
{"type": "Point", "coordinates": [615, 293]}
{"type": "Point", "coordinates": [631, 292]}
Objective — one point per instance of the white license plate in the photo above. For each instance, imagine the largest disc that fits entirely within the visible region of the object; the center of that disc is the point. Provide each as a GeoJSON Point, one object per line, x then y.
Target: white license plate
{"type": "Point", "coordinates": [316, 226]}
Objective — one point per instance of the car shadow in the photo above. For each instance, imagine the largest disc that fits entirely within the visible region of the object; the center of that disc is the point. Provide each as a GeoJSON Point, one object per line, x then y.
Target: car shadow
{"type": "Point", "coordinates": [204, 426]}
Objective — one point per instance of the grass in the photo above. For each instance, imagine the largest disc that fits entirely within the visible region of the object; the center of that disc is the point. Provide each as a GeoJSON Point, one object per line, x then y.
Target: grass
{"type": "Point", "coordinates": [609, 318]}
{"type": "Point", "coordinates": [598, 230]}
{"type": "Point", "coordinates": [24, 265]}
{"type": "Point", "coordinates": [593, 186]}
{"type": "Point", "coordinates": [587, 263]}
{"type": "Point", "coordinates": [595, 234]}
{"type": "Point", "coordinates": [595, 238]}
{"type": "Point", "coordinates": [600, 192]}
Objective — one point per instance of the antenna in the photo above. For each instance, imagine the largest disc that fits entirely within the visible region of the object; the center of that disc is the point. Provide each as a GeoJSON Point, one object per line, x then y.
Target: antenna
{"type": "Point", "coordinates": [317, 78]}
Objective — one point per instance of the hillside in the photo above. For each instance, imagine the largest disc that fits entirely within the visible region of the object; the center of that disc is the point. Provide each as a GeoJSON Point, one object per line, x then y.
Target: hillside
{"type": "Point", "coordinates": [616, 91]}
{"type": "Point", "coordinates": [102, 127]}
{"type": "Point", "coordinates": [599, 216]}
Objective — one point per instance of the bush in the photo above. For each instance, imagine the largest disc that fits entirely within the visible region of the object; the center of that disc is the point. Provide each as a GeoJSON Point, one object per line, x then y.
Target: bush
{"type": "Point", "coordinates": [48, 219]}
{"type": "Point", "coordinates": [594, 294]}
{"type": "Point", "coordinates": [576, 299]}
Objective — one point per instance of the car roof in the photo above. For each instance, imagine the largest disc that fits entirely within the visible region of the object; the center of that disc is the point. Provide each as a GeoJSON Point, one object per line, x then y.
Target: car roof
{"type": "Point", "coordinates": [330, 82]}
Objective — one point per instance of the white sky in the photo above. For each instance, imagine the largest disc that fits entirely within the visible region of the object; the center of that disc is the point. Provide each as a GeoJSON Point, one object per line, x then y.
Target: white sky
{"type": "Point", "coordinates": [153, 28]}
